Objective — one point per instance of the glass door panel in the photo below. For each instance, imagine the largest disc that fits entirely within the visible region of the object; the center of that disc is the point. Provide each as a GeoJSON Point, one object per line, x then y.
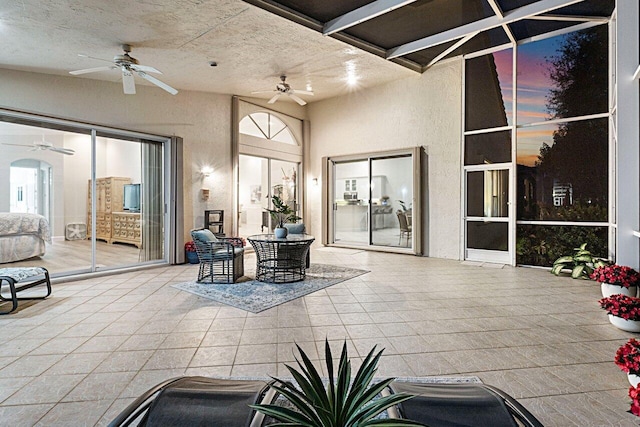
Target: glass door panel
{"type": "Point", "coordinates": [487, 215]}
{"type": "Point", "coordinates": [252, 195]}
{"type": "Point", "coordinates": [351, 202]}
{"type": "Point", "coordinates": [120, 206]}
{"type": "Point", "coordinates": [261, 178]}
{"type": "Point", "coordinates": [391, 201]}
{"type": "Point", "coordinates": [284, 184]}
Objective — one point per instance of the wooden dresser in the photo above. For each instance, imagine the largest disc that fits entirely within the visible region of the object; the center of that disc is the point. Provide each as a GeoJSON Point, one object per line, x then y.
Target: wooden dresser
{"type": "Point", "coordinates": [125, 228]}
{"type": "Point", "coordinates": [110, 194]}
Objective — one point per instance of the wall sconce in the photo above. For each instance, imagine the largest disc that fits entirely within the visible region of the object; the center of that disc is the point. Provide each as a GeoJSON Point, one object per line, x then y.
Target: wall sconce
{"type": "Point", "coordinates": [206, 171]}
{"type": "Point", "coordinates": [205, 193]}
{"type": "Point", "coordinates": [315, 181]}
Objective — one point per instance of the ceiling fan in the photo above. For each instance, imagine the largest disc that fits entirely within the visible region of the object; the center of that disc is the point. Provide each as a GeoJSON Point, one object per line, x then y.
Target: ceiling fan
{"type": "Point", "coordinates": [44, 145]}
{"type": "Point", "coordinates": [128, 65]}
{"type": "Point", "coordinates": [283, 88]}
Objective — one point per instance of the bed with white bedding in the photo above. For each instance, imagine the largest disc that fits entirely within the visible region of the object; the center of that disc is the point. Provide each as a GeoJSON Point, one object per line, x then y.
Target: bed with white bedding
{"type": "Point", "coordinates": [22, 236]}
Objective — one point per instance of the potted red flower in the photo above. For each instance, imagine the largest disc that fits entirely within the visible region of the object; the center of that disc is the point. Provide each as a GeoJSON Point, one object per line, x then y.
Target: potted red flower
{"type": "Point", "coordinates": [190, 251]}
{"type": "Point", "coordinates": [628, 360]}
{"type": "Point", "coordinates": [617, 279]}
{"type": "Point", "coordinates": [623, 310]}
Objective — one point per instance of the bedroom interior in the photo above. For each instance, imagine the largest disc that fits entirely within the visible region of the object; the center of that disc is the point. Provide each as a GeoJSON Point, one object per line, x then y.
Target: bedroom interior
{"type": "Point", "coordinates": [47, 191]}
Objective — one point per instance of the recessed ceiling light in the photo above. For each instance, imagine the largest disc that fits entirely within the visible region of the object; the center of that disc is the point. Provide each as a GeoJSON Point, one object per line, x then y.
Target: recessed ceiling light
{"type": "Point", "coordinates": [213, 64]}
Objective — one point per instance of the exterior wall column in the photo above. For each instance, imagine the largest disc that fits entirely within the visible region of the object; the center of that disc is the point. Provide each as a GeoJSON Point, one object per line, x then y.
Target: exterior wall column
{"type": "Point", "coordinates": [628, 136]}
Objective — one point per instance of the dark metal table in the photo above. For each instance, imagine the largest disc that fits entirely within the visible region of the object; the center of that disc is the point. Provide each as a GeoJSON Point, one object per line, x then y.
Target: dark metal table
{"type": "Point", "coordinates": [281, 260]}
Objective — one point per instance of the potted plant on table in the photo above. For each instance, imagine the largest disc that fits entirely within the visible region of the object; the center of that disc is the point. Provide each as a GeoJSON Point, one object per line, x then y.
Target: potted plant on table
{"type": "Point", "coordinates": [281, 213]}
{"type": "Point", "coordinates": [617, 279]}
{"type": "Point", "coordinates": [623, 310]}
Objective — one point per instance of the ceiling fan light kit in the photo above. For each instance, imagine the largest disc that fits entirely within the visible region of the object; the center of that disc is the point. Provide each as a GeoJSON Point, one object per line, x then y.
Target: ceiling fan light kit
{"type": "Point", "coordinates": [283, 88]}
{"type": "Point", "coordinates": [128, 66]}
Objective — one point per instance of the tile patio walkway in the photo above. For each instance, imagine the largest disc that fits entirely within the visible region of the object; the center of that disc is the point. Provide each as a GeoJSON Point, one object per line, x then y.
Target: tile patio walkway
{"type": "Point", "coordinates": [82, 355]}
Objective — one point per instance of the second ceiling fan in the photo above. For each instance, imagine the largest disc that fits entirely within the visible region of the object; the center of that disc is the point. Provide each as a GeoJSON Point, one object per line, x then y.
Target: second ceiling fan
{"type": "Point", "coordinates": [283, 88]}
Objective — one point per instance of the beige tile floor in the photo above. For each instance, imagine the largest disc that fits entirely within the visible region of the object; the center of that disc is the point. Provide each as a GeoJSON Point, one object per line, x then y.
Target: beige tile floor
{"type": "Point", "coordinates": [79, 357]}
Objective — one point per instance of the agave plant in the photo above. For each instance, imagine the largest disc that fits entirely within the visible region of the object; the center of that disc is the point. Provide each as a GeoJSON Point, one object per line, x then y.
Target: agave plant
{"type": "Point", "coordinates": [581, 263]}
{"type": "Point", "coordinates": [342, 402]}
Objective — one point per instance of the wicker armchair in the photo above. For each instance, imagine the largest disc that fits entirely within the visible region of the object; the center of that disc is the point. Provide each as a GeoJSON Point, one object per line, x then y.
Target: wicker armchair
{"type": "Point", "coordinates": [221, 259]}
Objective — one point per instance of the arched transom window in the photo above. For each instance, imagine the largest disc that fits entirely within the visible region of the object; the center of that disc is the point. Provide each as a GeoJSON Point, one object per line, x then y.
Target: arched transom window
{"type": "Point", "coordinates": [267, 126]}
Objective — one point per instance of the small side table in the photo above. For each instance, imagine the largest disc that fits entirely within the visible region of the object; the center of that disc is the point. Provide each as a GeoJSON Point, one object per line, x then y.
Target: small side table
{"type": "Point", "coordinates": [281, 260]}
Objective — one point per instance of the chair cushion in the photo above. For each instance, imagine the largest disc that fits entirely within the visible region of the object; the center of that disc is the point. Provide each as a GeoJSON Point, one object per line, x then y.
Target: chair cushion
{"type": "Point", "coordinates": [204, 235]}
{"type": "Point", "coordinates": [295, 228]}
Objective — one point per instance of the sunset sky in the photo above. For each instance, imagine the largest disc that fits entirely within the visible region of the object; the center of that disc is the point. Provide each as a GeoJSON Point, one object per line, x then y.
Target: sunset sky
{"type": "Point", "coordinates": [533, 87]}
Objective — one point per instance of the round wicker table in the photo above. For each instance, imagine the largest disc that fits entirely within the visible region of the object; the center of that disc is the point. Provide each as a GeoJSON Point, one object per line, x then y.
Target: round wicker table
{"type": "Point", "coordinates": [281, 260]}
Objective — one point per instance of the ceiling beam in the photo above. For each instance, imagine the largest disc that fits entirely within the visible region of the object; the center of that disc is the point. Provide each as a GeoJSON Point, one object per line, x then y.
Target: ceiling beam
{"type": "Point", "coordinates": [496, 8]}
{"type": "Point", "coordinates": [451, 48]}
{"type": "Point", "coordinates": [491, 22]}
{"type": "Point", "coordinates": [570, 18]}
{"type": "Point", "coordinates": [362, 14]}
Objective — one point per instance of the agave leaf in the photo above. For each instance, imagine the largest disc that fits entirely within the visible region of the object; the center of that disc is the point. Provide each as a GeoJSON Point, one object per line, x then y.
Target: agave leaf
{"type": "Point", "coordinates": [376, 407]}
{"type": "Point", "coordinates": [344, 377]}
{"type": "Point", "coordinates": [369, 394]}
{"type": "Point", "coordinates": [283, 414]}
{"type": "Point", "coordinates": [308, 390]}
{"type": "Point", "coordinates": [299, 401]}
{"type": "Point", "coordinates": [314, 378]}
{"type": "Point", "coordinates": [331, 390]}
{"type": "Point", "coordinates": [577, 271]}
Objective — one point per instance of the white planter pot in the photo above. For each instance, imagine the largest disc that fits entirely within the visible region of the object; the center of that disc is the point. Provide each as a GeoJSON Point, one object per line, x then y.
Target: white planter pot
{"type": "Point", "coordinates": [625, 325]}
{"type": "Point", "coordinates": [608, 290]}
{"type": "Point", "coordinates": [634, 379]}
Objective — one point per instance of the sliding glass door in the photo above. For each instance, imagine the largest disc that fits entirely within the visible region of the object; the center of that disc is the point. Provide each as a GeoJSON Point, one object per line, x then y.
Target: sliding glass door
{"type": "Point", "coordinates": [372, 199]}
{"type": "Point", "coordinates": [95, 197]}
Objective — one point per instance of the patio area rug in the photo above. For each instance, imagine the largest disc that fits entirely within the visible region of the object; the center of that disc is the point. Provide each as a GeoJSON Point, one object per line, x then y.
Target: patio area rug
{"type": "Point", "coordinates": [254, 296]}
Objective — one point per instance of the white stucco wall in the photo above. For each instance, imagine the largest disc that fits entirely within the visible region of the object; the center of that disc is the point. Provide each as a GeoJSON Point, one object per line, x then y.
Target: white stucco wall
{"type": "Point", "coordinates": [424, 110]}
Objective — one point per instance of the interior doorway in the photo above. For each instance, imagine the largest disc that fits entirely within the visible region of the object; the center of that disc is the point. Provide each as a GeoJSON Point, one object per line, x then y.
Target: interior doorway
{"type": "Point", "coordinates": [30, 187]}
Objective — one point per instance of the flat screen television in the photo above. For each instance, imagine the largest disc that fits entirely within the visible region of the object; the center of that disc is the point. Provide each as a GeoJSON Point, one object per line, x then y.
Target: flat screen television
{"type": "Point", "coordinates": [131, 200]}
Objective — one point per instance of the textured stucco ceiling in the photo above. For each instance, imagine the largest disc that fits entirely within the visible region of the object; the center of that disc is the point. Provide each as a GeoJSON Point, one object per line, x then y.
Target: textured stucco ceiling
{"type": "Point", "coordinates": [251, 46]}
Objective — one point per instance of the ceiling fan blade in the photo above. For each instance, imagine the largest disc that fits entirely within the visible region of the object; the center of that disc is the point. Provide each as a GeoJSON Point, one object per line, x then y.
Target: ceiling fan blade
{"type": "Point", "coordinates": [297, 99]}
{"type": "Point", "coordinates": [157, 82]}
{"type": "Point", "coordinates": [17, 145]}
{"type": "Point", "coordinates": [82, 55]}
{"type": "Point", "coordinates": [262, 91]}
{"type": "Point", "coordinates": [302, 92]}
{"type": "Point", "coordinates": [92, 70]}
{"type": "Point", "coordinates": [67, 151]}
{"type": "Point", "coordinates": [275, 98]}
{"type": "Point", "coordinates": [145, 68]}
{"type": "Point", "coordinates": [128, 83]}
